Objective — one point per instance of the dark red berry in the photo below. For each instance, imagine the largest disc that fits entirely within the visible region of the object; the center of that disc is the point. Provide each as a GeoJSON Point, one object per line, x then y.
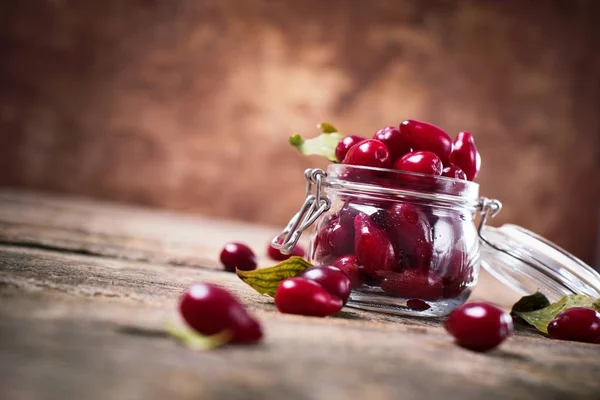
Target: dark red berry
{"type": "Point", "coordinates": [341, 239]}
{"type": "Point", "coordinates": [417, 305]}
{"type": "Point", "coordinates": [465, 155]}
{"type": "Point", "coordinates": [373, 247]}
{"type": "Point", "coordinates": [412, 232]}
{"type": "Point", "coordinates": [277, 255]}
{"type": "Point", "coordinates": [423, 162]}
{"type": "Point", "coordinates": [578, 324]}
{"type": "Point", "coordinates": [369, 153]}
{"type": "Point", "coordinates": [209, 310]}
{"type": "Point", "coordinates": [333, 279]}
{"type": "Point", "coordinates": [422, 136]}
{"type": "Point", "coordinates": [345, 144]}
{"type": "Point", "coordinates": [350, 266]}
{"type": "Point", "coordinates": [413, 283]}
{"type": "Point", "coordinates": [394, 140]}
{"type": "Point", "coordinates": [306, 297]}
{"type": "Point", "coordinates": [479, 326]}
{"type": "Point", "coordinates": [452, 171]}
{"type": "Point", "coordinates": [238, 255]}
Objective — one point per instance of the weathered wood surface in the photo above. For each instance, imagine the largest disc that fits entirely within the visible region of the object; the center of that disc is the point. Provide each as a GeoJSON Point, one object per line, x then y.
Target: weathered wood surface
{"type": "Point", "coordinates": [86, 290]}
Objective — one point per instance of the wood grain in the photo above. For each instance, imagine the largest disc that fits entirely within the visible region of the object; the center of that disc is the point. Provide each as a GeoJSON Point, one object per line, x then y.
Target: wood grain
{"type": "Point", "coordinates": [91, 325]}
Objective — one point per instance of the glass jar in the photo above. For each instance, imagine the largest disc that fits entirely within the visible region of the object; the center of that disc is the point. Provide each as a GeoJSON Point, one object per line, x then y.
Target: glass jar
{"type": "Point", "coordinates": [410, 245]}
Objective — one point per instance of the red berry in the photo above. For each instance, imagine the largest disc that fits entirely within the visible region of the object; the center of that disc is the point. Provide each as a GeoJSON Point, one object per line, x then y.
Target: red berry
{"type": "Point", "coordinates": [345, 144]}
{"type": "Point", "coordinates": [479, 326]}
{"type": "Point", "coordinates": [417, 305]}
{"type": "Point", "coordinates": [423, 162]}
{"type": "Point", "coordinates": [333, 279]}
{"type": "Point", "coordinates": [349, 265]}
{"type": "Point", "coordinates": [394, 140]}
{"type": "Point", "coordinates": [369, 153]}
{"type": "Point", "coordinates": [413, 234]}
{"type": "Point", "coordinates": [452, 171]}
{"type": "Point", "coordinates": [413, 283]}
{"type": "Point", "coordinates": [277, 255]}
{"type": "Point", "coordinates": [238, 255]}
{"type": "Point", "coordinates": [578, 324]}
{"type": "Point", "coordinates": [209, 310]}
{"type": "Point", "coordinates": [427, 137]}
{"type": "Point", "coordinates": [374, 249]}
{"type": "Point", "coordinates": [465, 155]}
{"type": "Point", "coordinates": [306, 297]}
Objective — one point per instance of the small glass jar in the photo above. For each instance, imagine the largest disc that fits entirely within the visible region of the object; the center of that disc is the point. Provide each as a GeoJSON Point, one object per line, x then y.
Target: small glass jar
{"type": "Point", "coordinates": [410, 245]}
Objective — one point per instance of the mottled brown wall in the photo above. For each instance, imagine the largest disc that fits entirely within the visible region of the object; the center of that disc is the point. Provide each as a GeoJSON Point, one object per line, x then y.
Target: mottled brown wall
{"type": "Point", "coordinates": [187, 104]}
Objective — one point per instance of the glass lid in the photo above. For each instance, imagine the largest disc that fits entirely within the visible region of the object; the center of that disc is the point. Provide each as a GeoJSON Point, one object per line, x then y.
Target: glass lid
{"type": "Point", "coordinates": [527, 262]}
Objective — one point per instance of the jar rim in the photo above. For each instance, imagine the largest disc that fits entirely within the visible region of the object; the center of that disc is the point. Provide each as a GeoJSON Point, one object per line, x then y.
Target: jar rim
{"type": "Point", "coordinates": [395, 183]}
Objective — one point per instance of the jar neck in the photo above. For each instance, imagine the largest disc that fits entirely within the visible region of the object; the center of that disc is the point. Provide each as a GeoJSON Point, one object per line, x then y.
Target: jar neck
{"type": "Point", "coordinates": [392, 185]}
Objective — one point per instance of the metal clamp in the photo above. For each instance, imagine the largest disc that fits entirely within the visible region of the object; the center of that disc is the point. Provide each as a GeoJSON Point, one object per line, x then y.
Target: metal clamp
{"type": "Point", "coordinates": [314, 205]}
{"type": "Point", "coordinates": [487, 208]}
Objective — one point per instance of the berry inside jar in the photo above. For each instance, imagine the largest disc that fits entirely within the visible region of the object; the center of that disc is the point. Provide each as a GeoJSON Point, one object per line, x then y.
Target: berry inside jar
{"type": "Point", "coordinates": [400, 222]}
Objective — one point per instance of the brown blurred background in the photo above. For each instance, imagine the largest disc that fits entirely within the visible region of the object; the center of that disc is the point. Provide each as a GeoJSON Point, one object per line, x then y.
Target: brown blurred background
{"type": "Point", "coordinates": [187, 104]}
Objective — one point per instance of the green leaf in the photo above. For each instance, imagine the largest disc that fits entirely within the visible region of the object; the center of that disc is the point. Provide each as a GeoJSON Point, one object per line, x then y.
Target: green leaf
{"type": "Point", "coordinates": [266, 280]}
{"type": "Point", "coordinates": [533, 302]}
{"type": "Point", "coordinates": [326, 127]}
{"type": "Point", "coordinates": [596, 305]}
{"type": "Point", "coordinates": [541, 318]}
{"type": "Point", "coordinates": [322, 145]}
{"type": "Point", "coordinates": [196, 341]}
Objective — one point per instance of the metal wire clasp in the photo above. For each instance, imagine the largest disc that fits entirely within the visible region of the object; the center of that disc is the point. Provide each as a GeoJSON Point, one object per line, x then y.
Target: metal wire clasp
{"type": "Point", "coordinates": [314, 205]}
{"type": "Point", "coordinates": [487, 208]}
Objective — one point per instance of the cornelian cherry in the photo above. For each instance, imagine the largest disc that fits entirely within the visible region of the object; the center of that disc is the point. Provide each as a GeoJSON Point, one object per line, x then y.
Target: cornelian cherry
{"type": "Point", "coordinates": [374, 248]}
{"type": "Point", "coordinates": [333, 279]}
{"type": "Point", "coordinates": [465, 155]}
{"type": "Point", "coordinates": [394, 140]}
{"type": "Point", "coordinates": [423, 162]}
{"type": "Point", "coordinates": [345, 144]}
{"type": "Point", "coordinates": [210, 309]}
{"type": "Point", "coordinates": [238, 255]}
{"type": "Point", "coordinates": [578, 324]}
{"type": "Point", "coordinates": [277, 255]}
{"type": "Point", "coordinates": [452, 171]}
{"type": "Point", "coordinates": [306, 297]}
{"type": "Point", "coordinates": [422, 136]}
{"type": "Point", "coordinates": [369, 153]}
{"type": "Point", "coordinates": [349, 265]}
{"type": "Point", "coordinates": [479, 326]}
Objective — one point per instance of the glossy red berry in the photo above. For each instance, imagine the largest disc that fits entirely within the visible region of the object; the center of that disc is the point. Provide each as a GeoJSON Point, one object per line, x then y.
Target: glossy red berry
{"type": "Point", "coordinates": [479, 326]}
{"type": "Point", "coordinates": [210, 309]}
{"type": "Point", "coordinates": [465, 155]}
{"type": "Point", "coordinates": [413, 283]}
{"type": "Point", "coordinates": [423, 136]}
{"type": "Point", "coordinates": [578, 324]}
{"type": "Point", "coordinates": [333, 279]}
{"type": "Point", "coordinates": [423, 162]}
{"type": "Point", "coordinates": [306, 297]}
{"type": "Point", "coordinates": [394, 140]}
{"type": "Point", "coordinates": [452, 171]}
{"type": "Point", "coordinates": [369, 153]}
{"type": "Point", "coordinates": [373, 246]}
{"type": "Point", "coordinates": [238, 255]}
{"type": "Point", "coordinates": [277, 255]}
{"type": "Point", "coordinates": [349, 265]}
{"type": "Point", "coordinates": [412, 232]}
{"type": "Point", "coordinates": [345, 144]}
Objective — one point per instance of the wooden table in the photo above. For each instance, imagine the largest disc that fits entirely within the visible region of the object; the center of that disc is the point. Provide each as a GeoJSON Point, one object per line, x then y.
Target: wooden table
{"type": "Point", "coordinates": [86, 289]}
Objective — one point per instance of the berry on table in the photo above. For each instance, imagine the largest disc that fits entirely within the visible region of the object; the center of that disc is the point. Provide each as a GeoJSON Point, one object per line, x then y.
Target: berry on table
{"type": "Point", "coordinates": [306, 297]}
{"type": "Point", "coordinates": [333, 279]}
{"type": "Point", "coordinates": [237, 255]}
{"type": "Point", "coordinates": [578, 324]}
{"type": "Point", "coordinates": [479, 326]}
{"type": "Point", "coordinates": [210, 310]}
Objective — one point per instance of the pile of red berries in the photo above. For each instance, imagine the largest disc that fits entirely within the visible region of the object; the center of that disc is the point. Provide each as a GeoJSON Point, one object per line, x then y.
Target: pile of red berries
{"type": "Point", "coordinates": [414, 146]}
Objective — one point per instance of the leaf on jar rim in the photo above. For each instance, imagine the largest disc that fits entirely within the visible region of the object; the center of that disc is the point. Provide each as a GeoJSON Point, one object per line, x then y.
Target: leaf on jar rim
{"type": "Point", "coordinates": [266, 280]}
{"type": "Point", "coordinates": [541, 318]}
{"type": "Point", "coordinates": [533, 302]}
{"type": "Point", "coordinates": [196, 341]}
{"type": "Point", "coordinates": [322, 145]}
{"type": "Point", "coordinates": [326, 127]}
